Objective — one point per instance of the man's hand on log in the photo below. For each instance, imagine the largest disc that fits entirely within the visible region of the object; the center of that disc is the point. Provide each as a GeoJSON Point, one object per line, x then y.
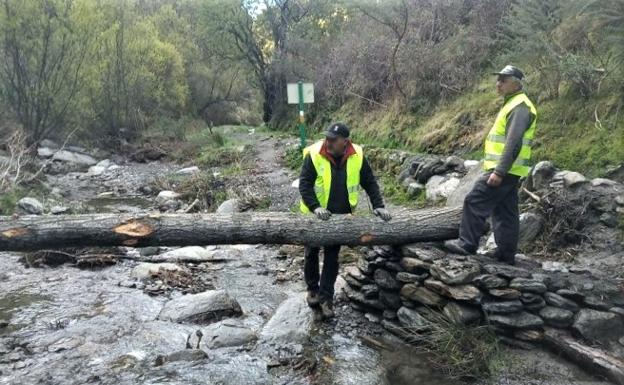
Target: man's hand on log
{"type": "Point", "coordinates": [383, 214]}
{"type": "Point", "coordinates": [322, 213]}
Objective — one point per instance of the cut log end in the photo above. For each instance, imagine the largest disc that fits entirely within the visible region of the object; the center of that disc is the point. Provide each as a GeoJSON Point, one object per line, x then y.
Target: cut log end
{"type": "Point", "coordinates": [134, 228]}
{"type": "Point", "coordinates": [15, 232]}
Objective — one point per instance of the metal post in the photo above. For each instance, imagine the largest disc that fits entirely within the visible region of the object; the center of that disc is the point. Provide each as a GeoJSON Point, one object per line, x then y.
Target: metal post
{"type": "Point", "coordinates": [302, 132]}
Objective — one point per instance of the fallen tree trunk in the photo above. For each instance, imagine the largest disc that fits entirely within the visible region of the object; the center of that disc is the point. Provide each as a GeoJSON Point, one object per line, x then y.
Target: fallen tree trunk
{"type": "Point", "coordinates": [48, 232]}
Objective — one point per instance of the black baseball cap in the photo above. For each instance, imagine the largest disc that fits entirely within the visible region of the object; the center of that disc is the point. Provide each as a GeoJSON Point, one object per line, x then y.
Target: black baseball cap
{"type": "Point", "coordinates": [337, 130]}
{"type": "Point", "coordinates": [510, 70]}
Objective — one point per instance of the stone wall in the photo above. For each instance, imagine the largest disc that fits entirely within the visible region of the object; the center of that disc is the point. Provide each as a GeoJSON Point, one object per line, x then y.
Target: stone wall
{"type": "Point", "coordinates": [402, 285]}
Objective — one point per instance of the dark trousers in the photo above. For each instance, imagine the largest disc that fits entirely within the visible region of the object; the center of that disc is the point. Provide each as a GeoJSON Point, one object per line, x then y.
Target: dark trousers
{"type": "Point", "coordinates": [329, 274]}
{"type": "Point", "coordinates": [501, 203]}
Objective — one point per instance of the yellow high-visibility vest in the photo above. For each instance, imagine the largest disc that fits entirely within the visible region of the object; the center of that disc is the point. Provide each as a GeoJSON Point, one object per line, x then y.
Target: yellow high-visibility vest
{"type": "Point", "coordinates": [495, 141]}
{"type": "Point", "coordinates": [322, 184]}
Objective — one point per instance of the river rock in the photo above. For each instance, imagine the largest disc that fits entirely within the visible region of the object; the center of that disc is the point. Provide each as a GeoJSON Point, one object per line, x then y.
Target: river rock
{"type": "Point", "coordinates": [522, 320]}
{"type": "Point", "coordinates": [571, 295]}
{"type": "Point", "coordinates": [529, 335]}
{"type": "Point", "coordinates": [147, 270]}
{"type": "Point", "coordinates": [30, 205]}
{"type": "Point", "coordinates": [530, 226]}
{"type": "Point", "coordinates": [391, 300]}
{"type": "Point", "coordinates": [455, 272]}
{"type": "Point", "coordinates": [165, 196]}
{"type": "Point", "coordinates": [290, 323]}
{"type": "Point", "coordinates": [461, 314]}
{"type": "Point", "coordinates": [422, 295]}
{"type": "Point", "coordinates": [73, 157]}
{"type": "Point", "coordinates": [187, 254]}
{"type": "Point", "coordinates": [359, 298]}
{"type": "Point", "coordinates": [570, 178]}
{"type": "Point", "coordinates": [354, 283]}
{"type": "Point", "coordinates": [459, 292]}
{"type": "Point", "coordinates": [494, 306]}
{"type": "Point", "coordinates": [188, 170]}
{"type": "Point", "coordinates": [560, 302]}
{"type": "Point", "coordinates": [406, 277]}
{"type": "Point", "coordinates": [356, 273]}
{"type": "Point", "coordinates": [440, 187]}
{"type": "Point", "coordinates": [414, 265]}
{"type": "Point", "coordinates": [188, 355]}
{"type": "Point", "coordinates": [596, 302]}
{"type": "Point", "coordinates": [370, 291]}
{"type": "Point", "coordinates": [386, 280]}
{"type": "Point", "coordinates": [423, 252]}
{"type": "Point", "coordinates": [412, 320]}
{"type": "Point", "coordinates": [556, 317]}
{"type": "Point", "coordinates": [226, 333]}
{"type": "Point", "coordinates": [505, 293]}
{"type": "Point", "coordinates": [528, 285]}
{"type": "Point", "coordinates": [230, 206]}
{"type": "Point", "coordinates": [489, 281]}
{"type": "Point", "coordinates": [532, 302]}
{"type": "Point", "coordinates": [507, 271]}
{"type": "Point", "coordinates": [209, 306]}
{"type": "Point", "coordinates": [598, 326]}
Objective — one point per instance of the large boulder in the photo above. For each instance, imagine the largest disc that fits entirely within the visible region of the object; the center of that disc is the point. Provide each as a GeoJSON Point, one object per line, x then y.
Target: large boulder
{"type": "Point", "coordinates": [207, 307]}
{"type": "Point", "coordinates": [598, 326]}
{"type": "Point", "coordinates": [229, 332]}
{"type": "Point", "coordinates": [230, 206]}
{"type": "Point", "coordinates": [440, 187]}
{"type": "Point", "coordinates": [456, 197]}
{"type": "Point", "coordinates": [530, 226]}
{"type": "Point", "coordinates": [291, 322]}
{"type": "Point", "coordinates": [146, 270]}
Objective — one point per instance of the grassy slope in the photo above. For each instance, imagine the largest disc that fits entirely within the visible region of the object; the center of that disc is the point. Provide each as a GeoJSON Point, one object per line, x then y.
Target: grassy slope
{"type": "Point", "coordinates": [567, 132]}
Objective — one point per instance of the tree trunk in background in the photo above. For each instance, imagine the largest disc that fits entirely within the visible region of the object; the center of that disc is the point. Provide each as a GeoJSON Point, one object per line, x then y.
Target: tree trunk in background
{"type": "Point", "coordinates": [46, 232]}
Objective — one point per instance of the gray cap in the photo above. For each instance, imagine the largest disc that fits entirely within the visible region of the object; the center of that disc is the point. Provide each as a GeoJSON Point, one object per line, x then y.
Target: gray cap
{"type": "Point", "coordinates": [510, 70]}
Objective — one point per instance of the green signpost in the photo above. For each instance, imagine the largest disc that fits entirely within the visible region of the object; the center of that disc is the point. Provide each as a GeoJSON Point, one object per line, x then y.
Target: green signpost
{"type": "Point", "coordinates": [301, 93]}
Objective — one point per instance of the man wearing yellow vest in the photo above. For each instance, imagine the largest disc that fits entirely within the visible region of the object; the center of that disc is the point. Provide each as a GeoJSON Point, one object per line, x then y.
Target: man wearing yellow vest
{"type": "Point", "coordinates": [507, 156]}
{"type": "Point", "coordinates": [332, 173]}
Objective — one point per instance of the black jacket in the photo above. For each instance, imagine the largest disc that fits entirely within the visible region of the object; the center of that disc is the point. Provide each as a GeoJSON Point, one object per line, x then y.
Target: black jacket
{"type": "Point", "coordinates": [338, 202]}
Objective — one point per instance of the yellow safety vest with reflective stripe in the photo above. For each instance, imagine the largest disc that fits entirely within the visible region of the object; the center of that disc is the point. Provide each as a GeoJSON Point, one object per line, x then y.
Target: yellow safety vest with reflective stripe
{"type": "Point", "coordinates": [495, 141]}
{"type": "Point", "coordinates": [322, 185]}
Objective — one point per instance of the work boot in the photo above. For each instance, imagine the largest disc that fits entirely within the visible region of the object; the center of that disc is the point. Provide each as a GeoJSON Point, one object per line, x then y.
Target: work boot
{"type": "Point", "coordinates": [456, 246]}
{"type": "Point", "coordinates": [313, 298]}
{"type": "Point", "coordinates": [327, 309]}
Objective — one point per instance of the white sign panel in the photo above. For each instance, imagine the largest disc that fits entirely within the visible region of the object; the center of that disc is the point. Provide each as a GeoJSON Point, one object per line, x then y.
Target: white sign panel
{"type": "Point", "coordinates": [293, 93]}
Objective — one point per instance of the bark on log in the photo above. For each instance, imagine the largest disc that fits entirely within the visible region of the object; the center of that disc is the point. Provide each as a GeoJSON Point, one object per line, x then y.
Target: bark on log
{"type": "Point", "coordinates": [592, 359]}
{"type": "Point", "coordinates": [48, 232]}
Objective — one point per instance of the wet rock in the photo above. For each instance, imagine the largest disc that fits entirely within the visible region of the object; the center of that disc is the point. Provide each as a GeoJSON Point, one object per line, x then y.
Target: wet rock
{"type": "Point", "coordinates": [455, 272]}
{"type": "Point", "coordinates": [209, 306]}
{"type": "Point", "coordinates": [356, 273]}
{"type": "Point", "coordinates": [290, 323]}
{"type": "Point", "coordinates": [29, 205]}
{"type": "Point", "coordinates": [505, 293]}
{"type": "Point", "coordinates": [507, 271]}
{"type": "Point", "coordinates": [489, 281]}
{"type": "Point", "coordinates": [556, 317]}
{"type": "Point", "coordinates": [230, 206]}
{"type": "Point", "coordinates": [147, 270]}
{"type": "Point", "coordinates": [45, 152]}
{"type": "Point", "coordinates": [226, 333]}
{"type": "Point", "coordinates": [188, 355]}
{"type": "Point", "coordinates": [493, 306]}
{"type": "Point", "coordinates": [421, 295]}
{"type": "Point", "coordinates": [571, 295]}
{"type": "Point", "coordinates": [3, 323]}
{"type": "Point", "coordinates": [390, 300]}
{"type": "Point", "coordinates": [386, 280]}
{"type": "Point", "coordinates": [460, 292]}
{"type": "Point", "coordinates": [528, 285]}
{"type": "Point", "coordinates": [522, 320]}
{"type": "Point", "coordinates": [414, 265]}
{"type": "Point", "coordinates": [616, 310]}
{"type": "Point", "coordinates": [530, 226]}
{"type": "Point", "coordinates": [598, 326]}
{"type": "Point", "coordinates": [406, 277]}
{"type": "Point", "coordinates": [542, 174]}
{"type": "Point", "coordinates": [64, 343]}
{"type": "Point", "coordinates": [187, 254]}
{"type": "Point", "coordinates": [412, 320]}
{"type": "Point", "coordinates": [56, 210]}
{"type": "Point", "coordinates": [461, 314]}
{"type": "Point", "coordinates": [560, 302]}
{"type": "Point", "coordinates": [362, 300]}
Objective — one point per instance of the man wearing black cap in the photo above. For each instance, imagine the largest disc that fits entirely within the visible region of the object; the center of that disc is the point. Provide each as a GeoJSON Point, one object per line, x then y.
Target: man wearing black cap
{"type": "Point", "coordinates": [332, 173]}
{"type": "Point", "coordinates": [507, 156]}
